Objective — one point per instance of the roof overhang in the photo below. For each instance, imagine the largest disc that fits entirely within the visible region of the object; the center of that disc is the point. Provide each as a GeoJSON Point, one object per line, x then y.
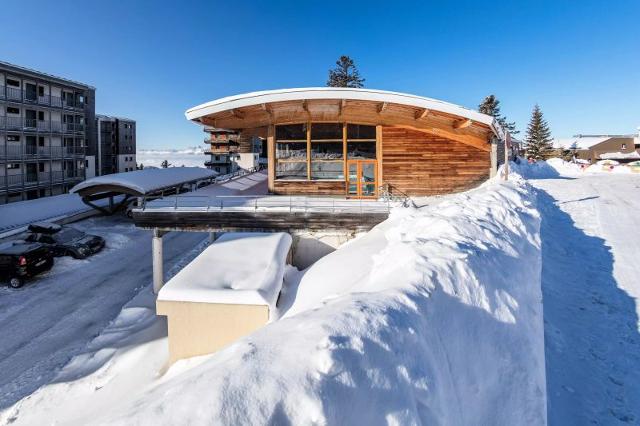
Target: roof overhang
{"type": "Point", "coordinates": [365, 106]}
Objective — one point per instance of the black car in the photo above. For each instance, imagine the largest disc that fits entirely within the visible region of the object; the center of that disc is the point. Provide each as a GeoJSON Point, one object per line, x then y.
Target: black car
{"type": "Point", "coordinates": [65, 241]}
{"type": "Point", "coordinates": [20, 261]}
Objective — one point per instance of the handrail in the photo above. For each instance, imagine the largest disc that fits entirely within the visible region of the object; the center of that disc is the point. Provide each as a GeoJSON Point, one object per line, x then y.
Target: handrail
{"type": "Point", "coordinates": [388, 192]}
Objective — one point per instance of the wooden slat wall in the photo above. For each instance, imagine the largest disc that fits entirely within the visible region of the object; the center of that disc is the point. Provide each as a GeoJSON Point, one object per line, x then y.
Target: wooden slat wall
{"type": "Point", "coordinates": [313, 187]}
{"type": "Point", "coordinates": [418, 163]}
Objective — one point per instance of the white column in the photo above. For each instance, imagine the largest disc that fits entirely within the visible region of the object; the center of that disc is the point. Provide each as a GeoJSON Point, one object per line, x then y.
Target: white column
{"type": "Point", "coordinates": [158, 273]}
{"type": "Point", "coordinates": [494, 157]}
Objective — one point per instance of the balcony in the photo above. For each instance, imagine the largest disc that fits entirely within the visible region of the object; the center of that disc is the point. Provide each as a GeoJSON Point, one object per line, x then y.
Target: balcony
{"type": "Point", "coordinates": [73, 127]}
{"type": "Point", "coordinates": [227, 149]}
{"type": "Point", "coordinates": [29, 124]}
{"type": "Point", "coordinates": [14, 152]}
{"type": "Point", "coordinates": [2, 96]}
{"type": "Point", "coordinates": [13, 93]}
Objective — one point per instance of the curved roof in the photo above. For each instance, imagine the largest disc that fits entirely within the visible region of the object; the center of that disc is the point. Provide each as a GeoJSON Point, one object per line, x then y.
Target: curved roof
{"type": "Point", "coordinates": [142, 182]}
{"type": "Point", "coordinates": [337, 93]}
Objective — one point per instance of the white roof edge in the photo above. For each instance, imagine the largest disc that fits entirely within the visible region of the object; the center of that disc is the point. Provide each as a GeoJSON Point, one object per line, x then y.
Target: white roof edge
{"type": "Point", "coordinates": [309, 93]}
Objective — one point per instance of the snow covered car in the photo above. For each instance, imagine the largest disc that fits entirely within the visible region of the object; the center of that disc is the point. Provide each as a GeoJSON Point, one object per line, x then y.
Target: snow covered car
{"type": "Point", "coordinates": [20, 260]}
{"type": "Point", "coordinates": [66, 241]}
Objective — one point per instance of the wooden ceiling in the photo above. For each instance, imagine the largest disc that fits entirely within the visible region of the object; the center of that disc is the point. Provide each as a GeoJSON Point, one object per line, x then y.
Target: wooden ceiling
{"type": "Point", "coordinates": [434, 122]}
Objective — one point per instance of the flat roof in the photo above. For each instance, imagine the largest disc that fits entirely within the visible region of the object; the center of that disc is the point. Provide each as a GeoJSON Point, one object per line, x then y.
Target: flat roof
{"type": "Point", "coordinates": [338, 93]}
{"type": "Point", "coordinates": [36, 73]}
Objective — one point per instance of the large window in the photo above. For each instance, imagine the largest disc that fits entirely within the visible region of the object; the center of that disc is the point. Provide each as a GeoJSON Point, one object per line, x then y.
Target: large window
{"type": "Point", "coordinates": [291, 151]}
{"type": "Point", "coordinates": [361, 142]}
{"type": "Point", "coordinates": [327, 155]}
{"type": "Point", "coordinates": [321, 147]}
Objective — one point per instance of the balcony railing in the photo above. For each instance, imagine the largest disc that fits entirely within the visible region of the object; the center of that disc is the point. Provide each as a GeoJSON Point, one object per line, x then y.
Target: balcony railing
{"type": "Point", "coordinates": [29, 152]}
{"type": "Point", "coordinates": [29, 124]}
{"type": "Point", "coordinates": [17, 94]}
{"type": "Point", "coordinates": [40, 178]}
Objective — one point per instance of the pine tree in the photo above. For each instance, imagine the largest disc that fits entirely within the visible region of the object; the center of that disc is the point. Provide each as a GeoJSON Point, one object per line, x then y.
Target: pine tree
{"type": "Point", "coordinates": [165, 164]}
{"type": "Point", "coordinates": [491, 106]}
{"type": "Point", "coordinates": [345, 74]}
{"type": "Point", "coordinates": [538, 139]}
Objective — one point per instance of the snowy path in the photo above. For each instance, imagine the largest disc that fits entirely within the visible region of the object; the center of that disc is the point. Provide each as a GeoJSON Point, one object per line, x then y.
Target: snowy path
{"type": "Point", "coordinates": [591, 290]}
{"type": "Point", "coordinates": [51, 319]}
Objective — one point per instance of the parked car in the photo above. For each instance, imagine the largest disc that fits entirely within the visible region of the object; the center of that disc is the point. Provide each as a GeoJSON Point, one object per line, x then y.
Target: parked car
{"type": "Point", "coordinates": [20, 261]}
{"type": "Point", "coordinates": [65, 240]}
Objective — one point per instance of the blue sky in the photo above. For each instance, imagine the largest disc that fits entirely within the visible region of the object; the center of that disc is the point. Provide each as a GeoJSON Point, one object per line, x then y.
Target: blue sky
{"type": "Point", "coordinates": [151, 60]}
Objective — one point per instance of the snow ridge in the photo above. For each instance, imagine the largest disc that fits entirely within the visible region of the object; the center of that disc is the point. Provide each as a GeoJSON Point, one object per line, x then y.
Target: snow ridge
{"type": "Point", "coordinates": [433, 317]}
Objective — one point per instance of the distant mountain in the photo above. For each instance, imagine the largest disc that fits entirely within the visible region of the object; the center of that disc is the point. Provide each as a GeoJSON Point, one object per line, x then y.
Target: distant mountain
{"type": "Point", "coordinates": [188, 157]}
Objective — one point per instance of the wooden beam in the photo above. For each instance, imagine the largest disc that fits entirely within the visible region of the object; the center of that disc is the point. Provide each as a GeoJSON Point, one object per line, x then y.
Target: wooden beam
{"type": "Point", "coordinates": [381, 107]}
{"type": "Point", "coordinates": [271, 157]}
{"type": "Point", "coordinates": [422, 113]}
{"type": "Point", "coordinates": [305, 108]}
{"type": "Point", "coordinates": [237, 114]}
{"type": "Point", "coordinates": [379, 154]}
{"type": "Point", "coordinates": [462, 124]}
{"type": "Point", "coordinates": [266, 108]}
{"type": "Point", "coordinates": [309, 150]}
{"type": "Point", "coordinates": [341, 106]}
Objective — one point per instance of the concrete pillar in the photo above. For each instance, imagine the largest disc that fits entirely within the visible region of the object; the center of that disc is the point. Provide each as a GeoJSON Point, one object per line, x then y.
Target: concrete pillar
{"type": "Point", "coordinates": [156, 248]}
{"type": "Point", "coordinates": [494, 157]}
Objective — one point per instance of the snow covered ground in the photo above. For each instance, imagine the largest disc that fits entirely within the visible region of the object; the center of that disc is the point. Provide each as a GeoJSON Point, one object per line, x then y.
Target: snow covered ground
{"type": "Point", "coordinates": [434, 316]}
{"type": "Point", "coordinates": [591, 289]}
{"type": "Point", "coordinates": [52, 319]}
{"type": "Point", "coordinates": [188, 157]}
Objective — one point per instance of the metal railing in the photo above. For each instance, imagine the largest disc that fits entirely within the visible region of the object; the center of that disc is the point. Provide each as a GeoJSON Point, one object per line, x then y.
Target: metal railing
{"type": "Point", "coordinates": [18, 152]}
{"type": "Point", "coordinates": [40, 178]}
{"type": "Point", "coordinates": [269, 203]}
{"type": "Point", "coordinates": [30, 124]}
{"type": "Point", "coordinates": [20, 95]}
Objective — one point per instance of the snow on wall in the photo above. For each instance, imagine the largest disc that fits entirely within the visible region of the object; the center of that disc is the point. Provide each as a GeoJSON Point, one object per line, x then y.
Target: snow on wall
{"type": "Point", "coordinates": [244, 268]}
{"type": "Point", "coordinates": [434, 317]}
{"type": "Point", "coordinates": [148, 180]}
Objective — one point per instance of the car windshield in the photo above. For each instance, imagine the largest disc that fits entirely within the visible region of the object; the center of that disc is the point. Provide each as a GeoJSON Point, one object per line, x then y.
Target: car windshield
{"type": "Point", "coordinates": [67, 234]}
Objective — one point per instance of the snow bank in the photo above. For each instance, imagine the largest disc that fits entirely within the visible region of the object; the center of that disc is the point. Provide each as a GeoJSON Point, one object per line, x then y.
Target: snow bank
{"type": "Point", "coordinates": [433, 317]}
{"type": "Point", "coordinates": [239, 268]}
{"type": "Point", "coordinates": [555, 167]}
{"type": "Point", "coordinates": [148, 180]}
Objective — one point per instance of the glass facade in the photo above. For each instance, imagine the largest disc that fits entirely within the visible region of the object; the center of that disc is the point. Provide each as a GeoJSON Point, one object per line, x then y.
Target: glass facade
{"type": "Point", "coordinates": [316, 151]}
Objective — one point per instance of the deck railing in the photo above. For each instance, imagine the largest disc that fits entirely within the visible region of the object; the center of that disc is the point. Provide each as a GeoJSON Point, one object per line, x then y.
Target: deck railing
{"type": "Point", "coordinates": [272, 203]}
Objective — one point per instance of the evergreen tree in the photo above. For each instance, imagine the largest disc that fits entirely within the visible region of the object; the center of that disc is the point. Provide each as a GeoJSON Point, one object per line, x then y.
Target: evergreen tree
{"type": "Point", "coordinates": [538, 139]}
{"type": "Point", "coordinates": [165, 164]}
{"type": "Point", "coordinates": [345, 74]}
{"type": "Point", "coordinates": [491, 106]}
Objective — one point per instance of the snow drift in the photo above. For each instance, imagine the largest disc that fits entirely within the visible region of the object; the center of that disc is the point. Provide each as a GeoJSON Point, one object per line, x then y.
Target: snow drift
{"type": "Point", "coordinates": [434, 316]}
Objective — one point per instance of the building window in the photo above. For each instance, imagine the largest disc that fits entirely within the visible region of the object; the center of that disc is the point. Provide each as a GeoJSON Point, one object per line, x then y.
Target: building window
{"type": "Point", "coordinates": [41, 167]}
{"type": "Point", "coordinates": [86, 163]}
{"type": "Point", "coordinates": [624, 146]}
{"type": "Point", "coordinates": [12, 166]}
{"type": "Point", "coordinates": [291, 151]}
{"type": "Point", "coordinates": [13, 138]}
{"type": "Point", "coordinates": [327, 156]}
{"type": "Point", "coordinates": [13, 110]}
{"type": "Point", "coordinates": [325, 151]}
{"type": "Point", "coordinates": [13, 83]}
{"type": "Point", "coordinates": [41, 115]}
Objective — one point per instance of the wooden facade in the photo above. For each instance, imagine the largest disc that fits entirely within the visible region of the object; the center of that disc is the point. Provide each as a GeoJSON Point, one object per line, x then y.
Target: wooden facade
{"type": "Point", "coordinates": [422, 146]}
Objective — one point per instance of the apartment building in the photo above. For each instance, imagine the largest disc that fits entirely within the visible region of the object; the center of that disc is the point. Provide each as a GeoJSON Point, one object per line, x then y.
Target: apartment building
{"type": "Point", "coordinates": [115, 147]}
{"type": "Point", "coordinates": [223, 150]}
{"type": "Point", "coordinates": [46, 125]}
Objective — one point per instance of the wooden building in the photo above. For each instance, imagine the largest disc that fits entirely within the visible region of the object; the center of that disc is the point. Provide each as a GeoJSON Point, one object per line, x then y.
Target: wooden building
{"type": "Point", "coordinates": [358, 143]}
{"type": "Point", "coordinates": [223, 150]}
{"type": "Point", "coordinates": [623, 148]}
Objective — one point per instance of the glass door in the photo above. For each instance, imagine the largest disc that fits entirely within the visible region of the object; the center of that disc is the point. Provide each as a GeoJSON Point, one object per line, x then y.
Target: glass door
{"type": "Point", "coordinates": [362, 179]}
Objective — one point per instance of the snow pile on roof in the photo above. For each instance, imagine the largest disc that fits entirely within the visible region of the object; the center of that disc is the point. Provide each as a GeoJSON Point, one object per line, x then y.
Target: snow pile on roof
{"type": "Point", "coordinates": [433, 317]}
{"type": "Point", "coordinates": [309, 93]}
{"type": "Point", "coordinates": [239, 268]}
{"type": "Point", "coordinates": [148, 180]}
{"type": "Point", "coordinates": [620, 155]}
{"type": "Point", "coordinates": [19, 214]}
{"type": "Point", "coordinates": [579, 142]}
